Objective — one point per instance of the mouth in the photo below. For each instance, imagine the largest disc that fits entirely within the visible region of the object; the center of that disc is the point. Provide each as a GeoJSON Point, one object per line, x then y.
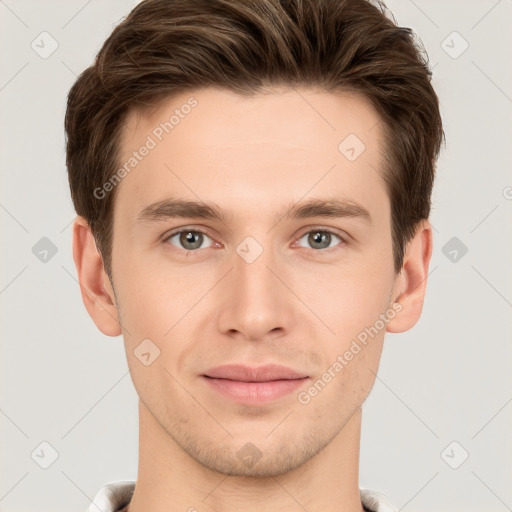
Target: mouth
{"type": "Point", "coordinates": [248, 385]}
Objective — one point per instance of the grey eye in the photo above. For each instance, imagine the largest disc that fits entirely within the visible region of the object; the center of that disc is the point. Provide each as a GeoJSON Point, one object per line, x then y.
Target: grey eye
{"type": "Point", "coordinates": [320, 239]}
{"type": "Point", "coordinates": [189, 239]}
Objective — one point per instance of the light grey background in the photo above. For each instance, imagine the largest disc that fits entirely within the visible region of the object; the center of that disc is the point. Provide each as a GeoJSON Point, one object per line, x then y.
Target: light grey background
{"type": "Point", "coordinates": [448, 379]}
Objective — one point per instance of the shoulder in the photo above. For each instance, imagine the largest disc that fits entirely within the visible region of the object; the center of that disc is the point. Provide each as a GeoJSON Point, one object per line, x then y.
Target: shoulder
{"type": "Point", "coordinates": [374, 501]}
{"type": "Point", "coordinates": [113, 497]}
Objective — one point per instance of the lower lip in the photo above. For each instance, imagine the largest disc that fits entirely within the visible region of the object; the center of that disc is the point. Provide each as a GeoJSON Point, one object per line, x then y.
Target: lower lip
{"type": "Point", "coordinates": [255, 392]}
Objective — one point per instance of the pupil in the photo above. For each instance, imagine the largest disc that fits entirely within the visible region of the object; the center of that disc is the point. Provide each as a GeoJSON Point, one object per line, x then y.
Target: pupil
{"type": "Point", "coordinates": [188, 238]}
{"type": "Point", "coordinates": [319, 236]}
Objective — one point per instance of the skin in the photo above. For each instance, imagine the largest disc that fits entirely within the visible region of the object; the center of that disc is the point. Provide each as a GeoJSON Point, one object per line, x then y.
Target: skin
{"type": "Point", "coordinates": [298, 304]}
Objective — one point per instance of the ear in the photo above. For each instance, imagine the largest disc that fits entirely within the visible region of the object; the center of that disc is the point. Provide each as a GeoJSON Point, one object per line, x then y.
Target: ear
{"type": "Point", "coordinates": [97, 293]}
{"type": "Point", "coordinates": [411, 283]}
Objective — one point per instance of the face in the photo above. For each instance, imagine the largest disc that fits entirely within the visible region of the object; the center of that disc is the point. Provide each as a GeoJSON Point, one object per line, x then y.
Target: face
{"type": "Point", "coordinates": [253, 285]}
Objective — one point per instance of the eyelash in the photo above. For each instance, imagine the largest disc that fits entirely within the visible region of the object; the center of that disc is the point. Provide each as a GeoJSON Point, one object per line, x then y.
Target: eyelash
{"type": "Point", "coordinates": [321, 229]}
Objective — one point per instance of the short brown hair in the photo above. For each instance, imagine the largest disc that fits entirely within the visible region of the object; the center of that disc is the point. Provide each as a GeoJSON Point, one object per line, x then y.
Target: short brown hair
{"type": "Point", "coordinates": [165, 47]}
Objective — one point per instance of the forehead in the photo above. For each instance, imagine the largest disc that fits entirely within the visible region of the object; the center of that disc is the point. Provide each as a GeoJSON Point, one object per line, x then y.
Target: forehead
{"type": "Point", "coordinates": [274, 146]}
{"type": "Point", "coordinates": [279, 113]}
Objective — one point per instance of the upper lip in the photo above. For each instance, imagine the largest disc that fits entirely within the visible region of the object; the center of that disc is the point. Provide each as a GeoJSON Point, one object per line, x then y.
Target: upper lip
{"type": "Point", "coordinates": [264, 373]}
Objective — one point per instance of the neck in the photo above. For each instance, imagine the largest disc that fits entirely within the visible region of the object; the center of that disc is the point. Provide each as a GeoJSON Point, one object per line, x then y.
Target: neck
{"type": "Point", "coordinates": [169, 479]}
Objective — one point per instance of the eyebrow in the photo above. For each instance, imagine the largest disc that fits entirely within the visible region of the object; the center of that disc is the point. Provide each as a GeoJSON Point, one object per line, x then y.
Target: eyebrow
{"type": "Point", "coordinates": [178, 208]}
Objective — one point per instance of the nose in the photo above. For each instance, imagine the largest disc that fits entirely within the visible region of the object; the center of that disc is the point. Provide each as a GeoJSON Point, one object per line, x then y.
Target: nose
{"type": "Point", "coordinates": [254, 302]}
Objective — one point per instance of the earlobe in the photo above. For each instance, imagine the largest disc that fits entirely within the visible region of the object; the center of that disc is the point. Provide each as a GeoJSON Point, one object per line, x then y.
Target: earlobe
{"type": "Point", "coordinates": [97, 294]}
{"type": "Point", "coordinates": [412, 280]}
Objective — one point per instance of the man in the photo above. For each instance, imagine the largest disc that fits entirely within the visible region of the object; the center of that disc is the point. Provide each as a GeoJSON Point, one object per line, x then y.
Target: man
{"type": "Point", "coordinates": [252, 181]}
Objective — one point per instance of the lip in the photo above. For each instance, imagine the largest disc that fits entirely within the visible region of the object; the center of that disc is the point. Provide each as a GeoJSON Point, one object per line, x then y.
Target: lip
{"type": "Point", "coordinates": [244, 373]}
{"type": "Point", "coordinates": [260, 385]}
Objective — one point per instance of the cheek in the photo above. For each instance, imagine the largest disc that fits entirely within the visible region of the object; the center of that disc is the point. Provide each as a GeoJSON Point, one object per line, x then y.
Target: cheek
{"type": "Point", "coordinates": [350, 358]}
{"type": "Point", "coordinates": [154, 294]}
{"type": "Point", "coordinates": [348, 294]}
{"type": "Point", "coordinates": [348, 298]}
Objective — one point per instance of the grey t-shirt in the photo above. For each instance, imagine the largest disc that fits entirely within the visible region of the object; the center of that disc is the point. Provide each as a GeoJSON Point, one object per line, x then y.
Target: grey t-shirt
{"type": "Point", "coordinates": [116, 496]}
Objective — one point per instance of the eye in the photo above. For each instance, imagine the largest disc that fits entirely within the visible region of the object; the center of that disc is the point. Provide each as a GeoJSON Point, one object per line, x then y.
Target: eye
{"type": "Point", "coordinates": [321, 238]}
{"type": "Point", "coordinates": [188, 239]}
